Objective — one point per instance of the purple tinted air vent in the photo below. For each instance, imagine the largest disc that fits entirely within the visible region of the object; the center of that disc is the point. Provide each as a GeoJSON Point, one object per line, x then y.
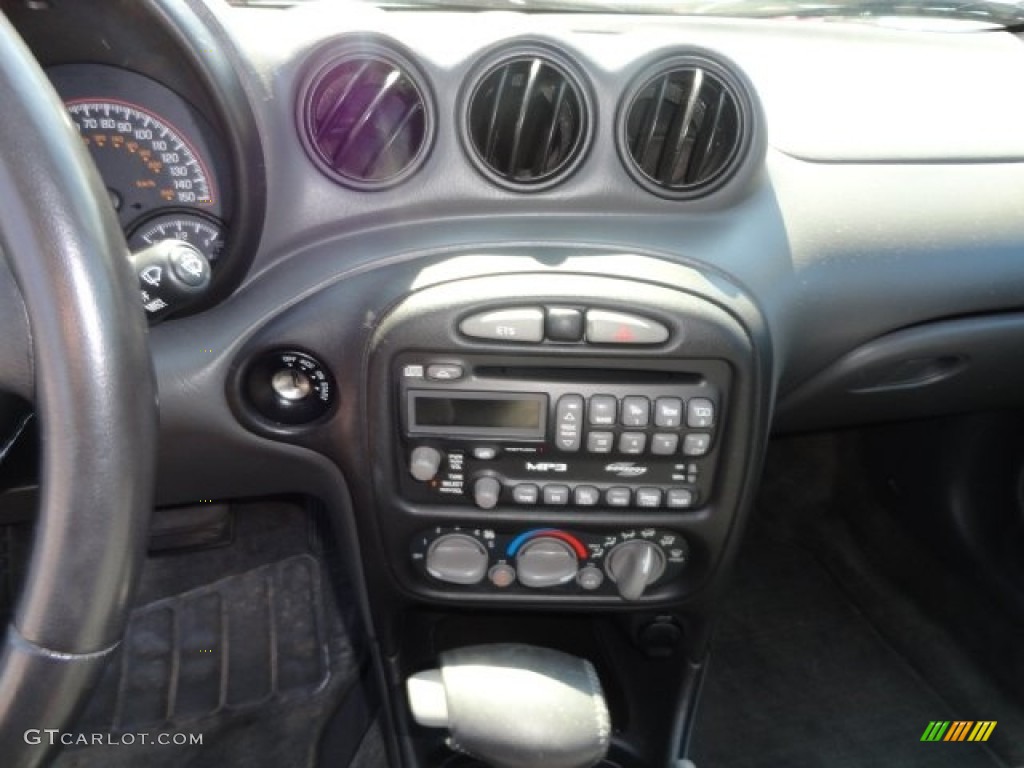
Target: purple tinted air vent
{"type": "Point", "coordinates": [365, 120]}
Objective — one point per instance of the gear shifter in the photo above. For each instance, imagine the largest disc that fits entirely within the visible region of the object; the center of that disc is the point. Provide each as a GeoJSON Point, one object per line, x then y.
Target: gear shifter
{"type": "Point", "coordinates": [515, 706]}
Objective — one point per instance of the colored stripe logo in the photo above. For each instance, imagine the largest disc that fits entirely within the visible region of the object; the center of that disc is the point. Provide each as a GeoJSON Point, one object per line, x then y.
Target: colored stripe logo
{"type": "Point", "coordinates": [958, 730]}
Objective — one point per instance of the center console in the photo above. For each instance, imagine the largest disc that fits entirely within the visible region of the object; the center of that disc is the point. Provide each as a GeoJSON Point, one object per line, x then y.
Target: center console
{"type": "Point", "coordinates": [564, 459]}
{"type": "Point", "coordinates": [575, 440]}
{"type": "Point", "coordinates": [540, 451]}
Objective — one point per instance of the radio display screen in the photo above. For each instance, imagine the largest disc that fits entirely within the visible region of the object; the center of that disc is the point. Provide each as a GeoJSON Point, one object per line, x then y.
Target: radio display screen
{"type": "Point", "coordinates": [477, 413]}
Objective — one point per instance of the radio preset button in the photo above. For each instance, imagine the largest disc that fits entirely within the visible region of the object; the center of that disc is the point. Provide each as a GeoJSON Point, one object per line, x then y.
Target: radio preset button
{"type": "Point", "coordinates": [632, 443]}
{"type": "Point", "coordinates": [696, 444]}
{"type": "Point", "coordinates": [445, 372]}
{"type": "Point", "coordinates": [648, 498]}
{"type": "Point", "coordinates": [586, 496]}
{"type": "Point", "coordinates": [525, 493]}
{"type": "Point", "coordinates": [700, 413]}
{"type": "Point", "coordinates": [600, 442]}
{"type": "Point", "coordinates": [602, 410]}
{"type": "Point", "coordinates": [604, 327]}
{"type": "Point", "coordinates": [556, 495]}
{"type": "Point", "coordinates": [664, 444]}
{"type": "Point", "coordinates": [636, 411]}
{"type": "Point", "coordinates": [569, 422]}
{"type": "Point", "coordinates": [521, 324]}
{"type": "Point", "coordinates": [618, 497]}
{"type": "Point", "coordinates": [679, 498]}
{"type": "Point", "coordinates": [668, 412]}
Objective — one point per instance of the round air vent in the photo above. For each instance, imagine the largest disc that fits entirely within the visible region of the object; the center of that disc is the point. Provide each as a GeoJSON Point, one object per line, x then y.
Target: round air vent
{"type": "Point", "coordinates": [684, 131]}
{"type": "Point", "coordinates": [365, 119]}
{"type": "Point", "coordinates": [527, 121]}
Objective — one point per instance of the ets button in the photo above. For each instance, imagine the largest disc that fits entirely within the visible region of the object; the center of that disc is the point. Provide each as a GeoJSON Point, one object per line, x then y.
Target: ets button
{"type": "Point", "coordinates": [522, 324]}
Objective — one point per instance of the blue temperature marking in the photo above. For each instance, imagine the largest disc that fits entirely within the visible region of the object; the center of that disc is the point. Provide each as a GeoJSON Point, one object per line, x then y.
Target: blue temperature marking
{"type": "Point", "coordinates": [518, 541]}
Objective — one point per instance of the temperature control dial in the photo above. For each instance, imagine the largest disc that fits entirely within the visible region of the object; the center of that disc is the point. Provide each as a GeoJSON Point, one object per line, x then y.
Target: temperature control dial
{"type": "Point", "coordinates": [546, 562]}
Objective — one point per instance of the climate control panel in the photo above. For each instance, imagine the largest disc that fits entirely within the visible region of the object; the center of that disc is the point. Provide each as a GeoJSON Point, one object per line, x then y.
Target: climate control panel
{"type": "Point", "coordinates": [626, 562]}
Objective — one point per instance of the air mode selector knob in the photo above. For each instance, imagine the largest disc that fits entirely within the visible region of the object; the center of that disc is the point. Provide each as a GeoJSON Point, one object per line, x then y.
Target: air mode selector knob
{"type": "Point", "coordinates": [546, 562]}
{"type": "Point", "coordinates": [424, 463]}
{"type": "Point", "coordinates": [633, 566]}
{"type": "Point", "coordinates": [457, 559]}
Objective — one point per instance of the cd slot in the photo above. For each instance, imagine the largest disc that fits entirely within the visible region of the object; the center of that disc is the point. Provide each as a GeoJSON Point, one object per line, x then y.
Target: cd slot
{"type": "Point", "coordinates": [588, 375]}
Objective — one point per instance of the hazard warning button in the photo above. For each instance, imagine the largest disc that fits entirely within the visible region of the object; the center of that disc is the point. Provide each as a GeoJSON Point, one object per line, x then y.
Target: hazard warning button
{"type": "Point", "coordinates": [606, 327]}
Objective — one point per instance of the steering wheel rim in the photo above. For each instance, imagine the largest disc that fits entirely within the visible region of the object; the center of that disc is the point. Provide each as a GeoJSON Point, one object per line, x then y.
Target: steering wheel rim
{"type": "Point", "coordinates": [94, 390]}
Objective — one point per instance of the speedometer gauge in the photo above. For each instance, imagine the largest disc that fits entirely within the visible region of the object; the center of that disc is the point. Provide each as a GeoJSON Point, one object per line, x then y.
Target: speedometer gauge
{"type": "Point", "coordinates": [146, 162]}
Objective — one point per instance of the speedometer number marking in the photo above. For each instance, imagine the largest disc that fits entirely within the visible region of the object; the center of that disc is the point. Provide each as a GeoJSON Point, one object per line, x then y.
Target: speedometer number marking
{"type": "Point", "coordinates": [155, 163]}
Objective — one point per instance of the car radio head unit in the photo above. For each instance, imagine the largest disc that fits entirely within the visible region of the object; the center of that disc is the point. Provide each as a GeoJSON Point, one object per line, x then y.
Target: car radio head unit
{"type": "Point", "coordinates": [547, 436]}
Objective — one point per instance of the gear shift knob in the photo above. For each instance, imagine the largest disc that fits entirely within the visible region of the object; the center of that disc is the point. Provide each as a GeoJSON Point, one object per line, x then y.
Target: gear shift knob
{"type": "Point", "coordinates": [515, 706]}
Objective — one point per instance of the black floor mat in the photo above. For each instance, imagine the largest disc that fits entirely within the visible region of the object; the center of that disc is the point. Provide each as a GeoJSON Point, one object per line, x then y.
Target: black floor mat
{"type": "Point", "coordinates": [253, 664]}
{"type": "Point", "coordinates": [242, 642]}
{"type": "Point", "coordinates": [820, 661]}
{"type": "Point", "coordinates": [799, 677]}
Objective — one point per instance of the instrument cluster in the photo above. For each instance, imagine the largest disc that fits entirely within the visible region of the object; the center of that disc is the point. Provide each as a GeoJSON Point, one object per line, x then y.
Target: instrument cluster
{"type": "Point", "coordinates": [163, 164]}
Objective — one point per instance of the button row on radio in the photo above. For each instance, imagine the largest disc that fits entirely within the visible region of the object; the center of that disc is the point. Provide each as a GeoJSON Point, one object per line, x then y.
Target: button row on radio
{"type": "Point", "coordinates": [636, 411]}
{"type": "Point", "coordinates": [635, 443]}
{"type": "Point", "coordinates": [556, 495]}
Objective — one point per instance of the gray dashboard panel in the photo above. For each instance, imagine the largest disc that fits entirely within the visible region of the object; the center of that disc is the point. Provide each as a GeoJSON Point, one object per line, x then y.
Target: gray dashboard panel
{"type": "Point", "coordinates": [876, 207]}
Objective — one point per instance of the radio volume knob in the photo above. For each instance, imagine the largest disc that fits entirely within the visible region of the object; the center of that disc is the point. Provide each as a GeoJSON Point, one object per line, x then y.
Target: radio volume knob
{"type": "Point", "coordinates": [486, 492]}
{"type": "Point", "coordinates": [424, 463]}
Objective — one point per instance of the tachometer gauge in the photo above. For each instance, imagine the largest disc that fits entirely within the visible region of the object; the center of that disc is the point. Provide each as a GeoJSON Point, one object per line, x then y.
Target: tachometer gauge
{"type": "Point", "coordinates": [146, 162]}
{"type": "Point", "coordinates": [204, 232]}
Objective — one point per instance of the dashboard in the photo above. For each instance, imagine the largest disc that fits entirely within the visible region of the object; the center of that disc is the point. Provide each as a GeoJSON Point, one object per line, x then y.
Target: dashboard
{"type": "Point", "coordinates": [794, 214]}
{"type": "Point", "coordinates": [520, 298]}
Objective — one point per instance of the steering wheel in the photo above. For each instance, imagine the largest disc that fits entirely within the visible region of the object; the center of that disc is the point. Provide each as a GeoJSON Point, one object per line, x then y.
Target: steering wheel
{"type": "Point", "coordinates": [86, 367]}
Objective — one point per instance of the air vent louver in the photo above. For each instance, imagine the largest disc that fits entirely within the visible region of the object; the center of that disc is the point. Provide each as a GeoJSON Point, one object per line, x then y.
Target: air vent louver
{"type": "Point", "coordinates": [683, 131]}
{"type": "Point", "coordinates": [366, 120]}
{"type": "Point", "coordinates": [527, 122]}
